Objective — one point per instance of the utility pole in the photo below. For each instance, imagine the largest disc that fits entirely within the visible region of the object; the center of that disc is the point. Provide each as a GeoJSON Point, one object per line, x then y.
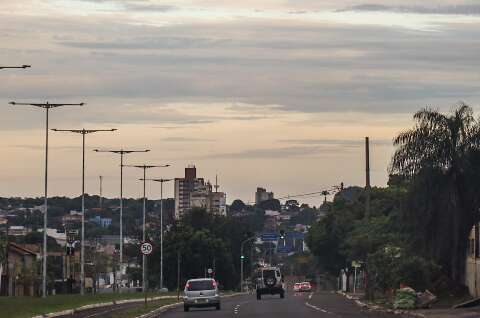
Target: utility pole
{"type": "Point", "coordinates": [367, 183]}
{"type": "Point", "coordinates": [162, 181]}
{"type": "Point", "coordinates": [178, 274]}
{"type": "Point", "coordinates": [121, 152]}
{"type": "Point", "coordinates": [144, 258]}
{"type": "Point", "coordinates": [47, 106]}
{"type": "Point", "coordinates": [83, 132]}
{"type": "Point", "coordinates": [100, 200]}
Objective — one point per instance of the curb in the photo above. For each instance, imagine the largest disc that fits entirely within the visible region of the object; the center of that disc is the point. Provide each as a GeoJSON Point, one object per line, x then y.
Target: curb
{"type": "Point", "coordinates": [379, 308]}
{"type": "Point", "coordinates": [170, 306]}
{"type": "Point", "coordinates": [100, 305]}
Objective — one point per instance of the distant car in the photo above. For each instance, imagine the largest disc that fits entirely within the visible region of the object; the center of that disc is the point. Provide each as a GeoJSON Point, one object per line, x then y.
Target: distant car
{"type": "Point", "coordinates": [201, 292]}
{"type": "Point", "coordinates": [296, 287]}
{"type": "Point", "coordinates": [305, 287]}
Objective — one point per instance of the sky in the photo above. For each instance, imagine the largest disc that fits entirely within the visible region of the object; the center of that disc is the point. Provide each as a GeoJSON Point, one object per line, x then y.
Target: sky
{"type": "Point", "coordinates": [273, 93]}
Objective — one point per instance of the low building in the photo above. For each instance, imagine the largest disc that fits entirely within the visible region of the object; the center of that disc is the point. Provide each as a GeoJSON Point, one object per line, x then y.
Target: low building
{"type": "Point", "coordinates": [60, 237]}
{"type": "Point", "coordinates": [472, 264]}
{"type": "Point", "coordinates": [17, 230]}
{"type": "Point", "coordinates": [21, 274]}
{"type": "Point", "coordinates": [103, 222]}
{"type": "Point", "coordinates": [71, 218]}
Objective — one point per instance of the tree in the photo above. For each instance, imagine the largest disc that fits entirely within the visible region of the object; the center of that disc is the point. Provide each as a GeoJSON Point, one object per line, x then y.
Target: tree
{"type": "Point", "coordinates": [237, 206]}
{"type": "Point", "coordinates": [440, 157]}
{"type": "Point", "coordinates": [272, 204]}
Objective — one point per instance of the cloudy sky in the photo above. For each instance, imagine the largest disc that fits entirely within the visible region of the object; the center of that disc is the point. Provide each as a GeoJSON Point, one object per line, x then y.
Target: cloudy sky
{"type": "Point", "coordinates": [273, 93]}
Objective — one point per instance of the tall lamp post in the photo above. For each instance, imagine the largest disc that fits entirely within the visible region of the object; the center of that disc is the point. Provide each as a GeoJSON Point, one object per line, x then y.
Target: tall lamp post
{"type": "Point", "coordinates": [162, 181]}
{"type": "Point", "coordinates": [145, 167]}
{"type": "Point", "coordinates": [242, 259]}
{"type": "Point", "coordinates": [121, 152]}
{"type": "Point", "coordinates": [83, 132]}
{"type": "Point", "coordinates": [47, 106]}
{"type": "Point", "coordinates": [21, 66]}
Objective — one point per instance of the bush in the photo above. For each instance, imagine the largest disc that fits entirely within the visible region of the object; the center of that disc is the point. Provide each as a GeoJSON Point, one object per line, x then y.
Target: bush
{"type": "Point", "coordinates": [416, 272]}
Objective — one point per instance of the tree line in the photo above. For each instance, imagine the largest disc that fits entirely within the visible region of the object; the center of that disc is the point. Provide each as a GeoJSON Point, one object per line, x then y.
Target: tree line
{"type": "Point", "coordinates": [418, 228]}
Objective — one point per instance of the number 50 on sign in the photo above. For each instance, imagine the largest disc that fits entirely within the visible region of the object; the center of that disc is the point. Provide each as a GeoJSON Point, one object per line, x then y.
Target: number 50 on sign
{"type": "Point", "coordinates": [146, 248]}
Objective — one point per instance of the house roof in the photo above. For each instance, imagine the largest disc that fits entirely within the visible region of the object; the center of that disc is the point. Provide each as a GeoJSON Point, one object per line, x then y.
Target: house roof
{"type": "Point", "coordinates": [16, 248]}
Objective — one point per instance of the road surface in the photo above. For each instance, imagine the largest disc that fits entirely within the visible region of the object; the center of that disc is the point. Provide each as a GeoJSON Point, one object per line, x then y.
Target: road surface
{"type": "Point", "coordinates": [295, 305]}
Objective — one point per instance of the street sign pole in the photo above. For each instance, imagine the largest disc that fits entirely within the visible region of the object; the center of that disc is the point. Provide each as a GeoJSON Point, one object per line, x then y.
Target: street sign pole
{"type": "Point", "coordinates": [146, 249]}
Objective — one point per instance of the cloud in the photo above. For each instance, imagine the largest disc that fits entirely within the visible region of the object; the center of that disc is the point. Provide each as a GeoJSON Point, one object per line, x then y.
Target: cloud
{"type": "Point", "coordinates": [338, 143]}
{"type": "Point", "coordinates": [186, 139]}
{"type": "Point", "coordinates": [462, 9]}
{"type": "Point", "coordinates": [149, 7]}
{"type": "Point", "coordinates": [300, 148]}
{"type": "Point", "coordinates": [148, 43]}
{"type": "Point", "coordinates": [42, 148]}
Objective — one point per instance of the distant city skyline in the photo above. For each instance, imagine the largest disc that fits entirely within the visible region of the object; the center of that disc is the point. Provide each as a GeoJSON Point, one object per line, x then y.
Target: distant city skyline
{"type": "Point", "coordinates": [276, 94]}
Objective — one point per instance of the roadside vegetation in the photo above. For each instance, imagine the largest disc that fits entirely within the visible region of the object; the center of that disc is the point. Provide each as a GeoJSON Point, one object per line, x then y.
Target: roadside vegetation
{"type": "Point", "coordinates": [26, 307]}
{"type": "Point", "coordinates": [418, 227]}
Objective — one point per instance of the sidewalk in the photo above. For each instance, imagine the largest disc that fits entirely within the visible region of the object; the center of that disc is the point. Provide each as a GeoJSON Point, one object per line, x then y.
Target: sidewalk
{"type": "Point", "coordinates": [448, 313]}
{"type": "Point", "coordinates": [473, 312]}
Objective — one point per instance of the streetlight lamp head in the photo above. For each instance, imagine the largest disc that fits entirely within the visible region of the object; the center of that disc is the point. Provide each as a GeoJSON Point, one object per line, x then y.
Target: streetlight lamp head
{"type": "Point", "coordinates": [26, 66]}
{"type": "Point", "coordinates": [12, 103]}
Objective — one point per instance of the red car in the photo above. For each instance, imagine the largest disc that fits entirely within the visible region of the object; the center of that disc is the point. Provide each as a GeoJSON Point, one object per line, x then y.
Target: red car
{"type": "Point", "coordinates": [305, 287]}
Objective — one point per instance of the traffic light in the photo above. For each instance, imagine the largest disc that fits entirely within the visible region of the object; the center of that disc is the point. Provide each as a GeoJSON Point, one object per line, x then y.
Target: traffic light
{"type": "Point", "coordinates": [282, 234]}
{"type": "Point", "coordinates": [242, 257]}
{"type": "Point", "coordinates": [70, 250]}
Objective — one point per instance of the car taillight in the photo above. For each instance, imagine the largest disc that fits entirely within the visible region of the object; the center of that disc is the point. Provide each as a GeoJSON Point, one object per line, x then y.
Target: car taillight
{"type": "Point", "coordinates": [214, 283]}
{"type": "Point", "coordinates": [187, 286]}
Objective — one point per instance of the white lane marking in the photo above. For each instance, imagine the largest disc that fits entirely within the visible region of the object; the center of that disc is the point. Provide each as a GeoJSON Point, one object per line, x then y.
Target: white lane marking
{"type": "Point", "coordinates": [310, 296]}
{"type": "Point", "coordinates": [236, 309]}
{"type": "Point", "coordinates": [317, 308]}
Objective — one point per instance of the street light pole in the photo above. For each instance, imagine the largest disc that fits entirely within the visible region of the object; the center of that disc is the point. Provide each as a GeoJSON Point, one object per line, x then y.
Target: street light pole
{"type": "Point", "coordinates": [241, 260]}
{"type": "Point", "coordinates": [162, 181]}
{"type": "Point", "coordinates": [21, 66]}
{"type": "Point", "coordinates": [121, 152]}
{"type": "Point", "coordinates": [47, 107]}
{"type": "Point", "coordinates": [83, 132]}
{"type": "Point", "coordinates": [145, 167]}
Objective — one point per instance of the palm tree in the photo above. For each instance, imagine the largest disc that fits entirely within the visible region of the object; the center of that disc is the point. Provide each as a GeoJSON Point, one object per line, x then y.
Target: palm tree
{"type": "Point", "coordinates": [442, 146]}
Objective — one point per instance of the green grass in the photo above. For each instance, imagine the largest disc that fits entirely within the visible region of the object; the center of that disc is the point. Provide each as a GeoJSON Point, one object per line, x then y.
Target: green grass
{"type": "Point", "coordinates": [140, 309]}
{"type": "Point", "coordinates": [26, 307]}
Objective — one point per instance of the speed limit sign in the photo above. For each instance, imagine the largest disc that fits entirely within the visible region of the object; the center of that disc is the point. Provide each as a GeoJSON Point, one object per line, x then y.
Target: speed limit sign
{"type": "Point", "coordinates": [146, 248]}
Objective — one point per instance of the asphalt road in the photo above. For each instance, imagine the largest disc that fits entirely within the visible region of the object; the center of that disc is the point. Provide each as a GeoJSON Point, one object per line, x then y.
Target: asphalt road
{"type": "Point", "coordinates": [295, 305]}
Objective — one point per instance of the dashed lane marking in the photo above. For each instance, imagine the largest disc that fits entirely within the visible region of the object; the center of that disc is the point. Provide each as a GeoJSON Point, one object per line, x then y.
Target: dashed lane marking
{"type": "Point", "coordinates": [317, 308]}
{"type": "Point", "coordinates": [236, 309]}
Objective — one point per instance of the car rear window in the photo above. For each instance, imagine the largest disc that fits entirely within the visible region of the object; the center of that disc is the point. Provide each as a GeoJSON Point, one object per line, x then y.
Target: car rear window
{"type": "Point", "coordinates": [200, 285]}
{"type": "Point", "coordinates": [269, 274]}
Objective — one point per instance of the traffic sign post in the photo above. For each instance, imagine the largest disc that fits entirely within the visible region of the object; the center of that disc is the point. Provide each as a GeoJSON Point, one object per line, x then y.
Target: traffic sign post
{"type": "Point", "coordinates": [355, 265]}
{"type": "Point", "coordinates": [146, 248]}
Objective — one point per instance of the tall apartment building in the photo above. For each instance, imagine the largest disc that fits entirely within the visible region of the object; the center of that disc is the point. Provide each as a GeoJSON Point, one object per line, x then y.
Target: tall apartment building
{"type": "Point", "coordinates": [262, 195]}
{"type": "Point", "coordinates": [192, 192]}
{"type": "Point", "coordinates": [184, 187]}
